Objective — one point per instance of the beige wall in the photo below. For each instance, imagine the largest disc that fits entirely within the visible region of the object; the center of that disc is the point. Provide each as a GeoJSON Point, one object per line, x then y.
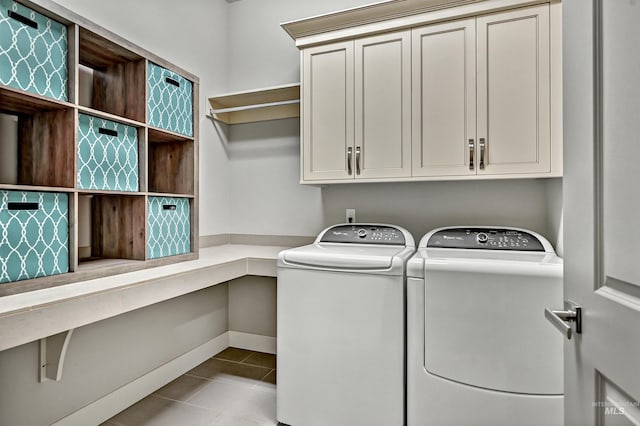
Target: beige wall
{"type": "Point", "coordinates": [252, 305]}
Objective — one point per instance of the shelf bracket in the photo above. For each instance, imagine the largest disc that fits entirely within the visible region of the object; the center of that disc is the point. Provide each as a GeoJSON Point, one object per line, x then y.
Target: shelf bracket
{"type": "Point", "coordinates": [53, 350]}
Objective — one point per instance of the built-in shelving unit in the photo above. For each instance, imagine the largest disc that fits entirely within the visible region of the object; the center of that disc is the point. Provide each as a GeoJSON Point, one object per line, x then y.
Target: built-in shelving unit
{"type": "Point", "coordinates": [271, 103]}
{"type": "Point", "coordinates": [113, 129]}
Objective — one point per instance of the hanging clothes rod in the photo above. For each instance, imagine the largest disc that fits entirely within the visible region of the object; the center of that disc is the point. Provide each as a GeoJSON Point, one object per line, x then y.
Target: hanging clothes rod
{"type": "Point", "coordinates": [256, 106]}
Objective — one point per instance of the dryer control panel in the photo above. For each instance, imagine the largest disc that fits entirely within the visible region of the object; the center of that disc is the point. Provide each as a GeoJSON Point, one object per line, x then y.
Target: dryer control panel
{"type": "Point", "coordinates": [364, 234]}
{"type": "Point", "coordinates": [485, 239]}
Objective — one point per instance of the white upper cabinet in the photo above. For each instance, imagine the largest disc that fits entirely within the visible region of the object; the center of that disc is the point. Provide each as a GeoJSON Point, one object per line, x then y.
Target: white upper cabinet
{"type": "Point", "coordinates": [514, 134]}
{"type": "Point", "coordinates": [460, 93]}
{"type": "Point", "coordinates": [327, 112]}
{"type": "Point", "coordinates": [383, 106]}
{"type": "Point", "coordinates": [444, 99]}
{"type": "Point", "coordinates": [356, 109]}
{"type": "Point", "coordinates": [481, 95]}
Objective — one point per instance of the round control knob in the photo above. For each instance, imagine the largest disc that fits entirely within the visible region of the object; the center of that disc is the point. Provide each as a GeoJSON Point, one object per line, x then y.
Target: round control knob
{"type": "Point", "coordinates": [362, 233]}
{"type": "Point", "coordinates": [482, 237]}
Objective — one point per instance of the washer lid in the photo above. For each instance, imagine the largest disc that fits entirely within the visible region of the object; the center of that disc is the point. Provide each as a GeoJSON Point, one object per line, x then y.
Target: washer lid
{"type": "Point", "coordinates": [346, 257]}
{"type": "Point", "coordinates": [357, 247]}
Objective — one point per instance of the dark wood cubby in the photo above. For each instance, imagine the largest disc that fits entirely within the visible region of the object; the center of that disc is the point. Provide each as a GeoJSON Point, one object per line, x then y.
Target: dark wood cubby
{"type": "Point", "coordinates": [119, 76]}
{"type": "Point", "coordinates": [171, 163]}
{"type": "Point", "coordinates": [118, 227]}
{"type": "Point", "coordinates": [44, 141]}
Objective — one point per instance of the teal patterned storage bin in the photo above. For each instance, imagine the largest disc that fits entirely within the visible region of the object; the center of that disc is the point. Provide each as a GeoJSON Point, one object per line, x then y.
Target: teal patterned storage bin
{"type": "Point", "coordinates": [107, 155]}
{"type": "Point", "coordinates": [170, 101]}
{"type": "Point", "coordinates": [33, 51]}
{"type": "Point", "coordinates": [34, 232]}
{"type": "Point", "coordinates": [168, 228]}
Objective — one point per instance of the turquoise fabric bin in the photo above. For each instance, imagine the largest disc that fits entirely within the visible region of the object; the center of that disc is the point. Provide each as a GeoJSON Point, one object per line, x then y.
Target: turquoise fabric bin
{"type": "Point", "coordinates": [34, 230]}
{"type": "Point", "coordinates": [33, 51]}
{"type": "Point", "coordinates": [107, 155]}
{"type": "Point", "coordinates": [169, 100]}
{"type": "Point", "coordinates": [168, 227]}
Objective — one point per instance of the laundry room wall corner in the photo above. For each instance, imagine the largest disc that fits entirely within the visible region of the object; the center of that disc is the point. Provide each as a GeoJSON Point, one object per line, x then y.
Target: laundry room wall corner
{"type": "Point", "coordinates": [192, 35]}
{"type": "Point", "coordinates": [555, 216]}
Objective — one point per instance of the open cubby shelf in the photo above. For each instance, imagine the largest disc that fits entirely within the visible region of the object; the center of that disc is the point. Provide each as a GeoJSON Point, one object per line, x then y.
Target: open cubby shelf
{"type": "Point", "coordinates": [118, 173]}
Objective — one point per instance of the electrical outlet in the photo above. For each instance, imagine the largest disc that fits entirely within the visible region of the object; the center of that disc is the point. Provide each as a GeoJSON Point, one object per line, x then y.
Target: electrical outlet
{"type": "Point", "coordinates": [351, 215]}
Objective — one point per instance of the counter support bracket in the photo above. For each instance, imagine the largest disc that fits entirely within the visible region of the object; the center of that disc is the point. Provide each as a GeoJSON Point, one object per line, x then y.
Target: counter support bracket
{"type": "Point", "coordinates": [53, 350]}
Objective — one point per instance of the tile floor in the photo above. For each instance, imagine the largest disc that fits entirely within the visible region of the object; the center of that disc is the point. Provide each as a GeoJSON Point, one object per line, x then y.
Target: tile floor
{"type": "Point", "coordinates": [234, 388]}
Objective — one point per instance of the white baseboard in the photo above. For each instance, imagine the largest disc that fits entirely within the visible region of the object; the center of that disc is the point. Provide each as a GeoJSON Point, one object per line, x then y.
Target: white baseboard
{"type": "Point", "coordinates": [253, 342]}
{"type": "Point", "coordinates": [110, 405]}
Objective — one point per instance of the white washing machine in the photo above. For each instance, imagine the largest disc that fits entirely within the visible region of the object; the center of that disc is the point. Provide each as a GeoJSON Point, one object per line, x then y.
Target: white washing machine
{"type": "Point", "coordinates": [340, 344]}
{"type": "Point", "coordinates": [479, 350]}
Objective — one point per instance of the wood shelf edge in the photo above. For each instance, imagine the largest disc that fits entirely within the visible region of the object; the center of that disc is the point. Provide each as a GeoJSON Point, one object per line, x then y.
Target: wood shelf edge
{"type": "Point", "coordinates": [269, 103]}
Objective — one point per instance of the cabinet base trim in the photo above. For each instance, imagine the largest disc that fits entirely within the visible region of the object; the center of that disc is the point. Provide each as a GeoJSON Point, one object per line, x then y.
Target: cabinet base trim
{"type": "Point", "coordinates": [252, 342]}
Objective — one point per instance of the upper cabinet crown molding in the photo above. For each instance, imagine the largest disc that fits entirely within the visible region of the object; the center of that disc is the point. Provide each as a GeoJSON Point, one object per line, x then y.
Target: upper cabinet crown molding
{"type": "Point", "coordinates": [390, 15]}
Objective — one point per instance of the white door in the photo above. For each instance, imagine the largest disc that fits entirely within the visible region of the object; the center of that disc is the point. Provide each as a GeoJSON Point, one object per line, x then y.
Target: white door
{"type": "Point", "coordinates": [514, 133]}
{"type": "Point", "coordinates": [601, 209]}
{"type": "Point", "coordinates": [383, 106]}
{"type": "Point", "coordinates": [444, 99]}
{"type": "Point", "coordinates": [327, 112]}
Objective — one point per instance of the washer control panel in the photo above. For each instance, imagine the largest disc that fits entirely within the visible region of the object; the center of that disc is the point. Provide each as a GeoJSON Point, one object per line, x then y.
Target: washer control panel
{"type": "Point", "coordinates": [485, 239]}
{"type": "Point", "coordinates": [364, 234]}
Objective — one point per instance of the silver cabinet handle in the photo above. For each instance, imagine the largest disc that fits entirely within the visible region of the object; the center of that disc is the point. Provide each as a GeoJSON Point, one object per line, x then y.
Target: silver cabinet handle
{"type": "Point", "coordinates": [562, 320]}
{"type": "Point", "coordinates": [357, 160]}
{"type": "Point", "coordinates": [471, 153]}
{"type": "Point", "coordinates": [349, 155]}
{"type": "Point", "coordinates": [483, 148]}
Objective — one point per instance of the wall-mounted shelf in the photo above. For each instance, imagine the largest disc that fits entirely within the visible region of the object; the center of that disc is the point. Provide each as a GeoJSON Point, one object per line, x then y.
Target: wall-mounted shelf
{"type": "Point", "coordinates": [271, 103]}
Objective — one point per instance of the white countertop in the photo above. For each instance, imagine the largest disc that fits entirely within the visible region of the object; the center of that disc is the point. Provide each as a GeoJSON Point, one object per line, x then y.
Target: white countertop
{"type": "Point", "coordinates": [33, 315]}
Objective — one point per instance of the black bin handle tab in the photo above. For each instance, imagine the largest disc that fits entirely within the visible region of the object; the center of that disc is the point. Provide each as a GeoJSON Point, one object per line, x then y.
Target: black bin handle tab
{"type": "Point", "coordinates": [172, 81]}
{"type": "Point", "coordinates": [23, 20]}
{"type": "Point", "coordinates": [108, 132]}
{"type": "Point", "coordinates": [22, 206]}
{"type": "Point", "coordinates": [168, 207]}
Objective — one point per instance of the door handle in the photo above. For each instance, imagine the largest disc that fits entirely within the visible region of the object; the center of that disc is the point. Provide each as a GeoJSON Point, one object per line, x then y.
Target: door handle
{"type": "Point", "coordinates": [357, 160]}
{"type": "Point", "coordinates": [483, 149]}
{"type": "Point", "coordinates": [563, 320]}
{"type": "Point", "coordinates": [349, 155]}
{"type": "Point", "coordinates": [471, 152]}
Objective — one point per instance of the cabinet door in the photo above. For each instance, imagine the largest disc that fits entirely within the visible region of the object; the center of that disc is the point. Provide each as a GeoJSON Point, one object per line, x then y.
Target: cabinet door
{"type": "Point", "coordinates": [327, 112]}
{"type": "Point", "coordinates": [513, 92]}
{"type": "Point", "coordinates": [444, 99]}
{"type": "Point", "coordinates": [383, 106]}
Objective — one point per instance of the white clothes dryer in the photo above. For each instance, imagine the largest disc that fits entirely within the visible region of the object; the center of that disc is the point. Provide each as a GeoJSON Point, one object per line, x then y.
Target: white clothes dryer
{"type": "Point", "coordinates": [479, 350]}
{"type": "Point", "coordinates": [340, 342]}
